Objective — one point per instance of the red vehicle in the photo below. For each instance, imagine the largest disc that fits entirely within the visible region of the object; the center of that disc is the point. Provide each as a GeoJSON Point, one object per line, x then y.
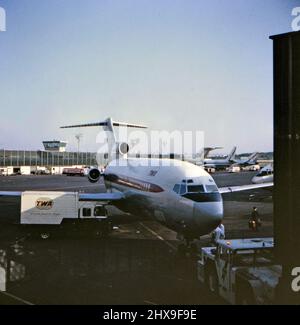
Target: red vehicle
{"type": "Point", "coordinates": [73, 171]}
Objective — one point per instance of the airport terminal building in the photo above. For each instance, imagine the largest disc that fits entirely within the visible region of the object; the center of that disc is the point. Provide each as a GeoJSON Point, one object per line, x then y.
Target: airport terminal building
{"type": "Point", "coordinates": [54, 158]}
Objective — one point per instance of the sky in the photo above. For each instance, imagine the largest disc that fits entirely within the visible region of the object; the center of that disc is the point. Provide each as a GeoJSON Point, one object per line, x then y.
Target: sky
{"type": "Point", "coordinates": [183, 65]}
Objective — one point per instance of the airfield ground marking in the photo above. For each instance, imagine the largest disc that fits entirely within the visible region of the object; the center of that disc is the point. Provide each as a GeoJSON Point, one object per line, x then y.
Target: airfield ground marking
{"type": "Point", "coordinates": [17, 298]}
{"type": "Point", "coordinates": [158, 236]}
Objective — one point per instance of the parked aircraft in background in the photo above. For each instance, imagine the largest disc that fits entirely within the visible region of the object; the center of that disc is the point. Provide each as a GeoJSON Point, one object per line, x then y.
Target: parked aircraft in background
{"type": "Point", "coordinates": [219, 164]}
{"type": "Point", "coordinates": [265, 175]}
{"type": "Point", "coordinates": [250, 161]}
{"type": "Point", "coordinates": [199, 158]}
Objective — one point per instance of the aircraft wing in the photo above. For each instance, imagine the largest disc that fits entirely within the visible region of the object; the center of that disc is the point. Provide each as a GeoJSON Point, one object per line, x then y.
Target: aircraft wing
{"type": "Point", "coordinates": [231, 189]}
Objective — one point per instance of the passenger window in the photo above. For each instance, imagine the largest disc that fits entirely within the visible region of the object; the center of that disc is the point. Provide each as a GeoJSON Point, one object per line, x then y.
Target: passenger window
{"type": "Point", "coordinates": [176, 188]}
{"type": "Point", "coordinates": [86, 212]}
{"type": "Point", "coordinates": [182, 189]}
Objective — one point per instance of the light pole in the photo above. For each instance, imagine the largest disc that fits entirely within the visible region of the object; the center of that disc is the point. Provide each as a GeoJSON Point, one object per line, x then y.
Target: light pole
{"type": "Point", "coordinates": [78, 138]}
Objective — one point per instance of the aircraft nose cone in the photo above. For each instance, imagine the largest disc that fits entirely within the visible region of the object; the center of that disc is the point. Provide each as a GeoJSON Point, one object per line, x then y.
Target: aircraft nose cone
{"type": "Point", "coordinates": [207, 216]}
{"type": "Point", "coordinates": [256, 180]}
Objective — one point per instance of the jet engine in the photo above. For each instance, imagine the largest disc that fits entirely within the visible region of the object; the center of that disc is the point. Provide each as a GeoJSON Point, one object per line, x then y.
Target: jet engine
{"type": "Point", "coordinates": [94, 175]}
{"type": "Point", "coordinates": [122, 148]}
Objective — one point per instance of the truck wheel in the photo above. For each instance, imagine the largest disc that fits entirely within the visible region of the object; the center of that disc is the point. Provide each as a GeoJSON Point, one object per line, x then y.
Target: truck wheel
{"type": "Point", "coordinates": [45, 235]}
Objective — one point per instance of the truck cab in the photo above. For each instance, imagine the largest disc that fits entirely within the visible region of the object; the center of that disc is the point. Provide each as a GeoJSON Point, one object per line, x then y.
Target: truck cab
{"type": "Point", "coordinates": [91, 210]}
{"type": "Point", "coordinates": [242, 271]}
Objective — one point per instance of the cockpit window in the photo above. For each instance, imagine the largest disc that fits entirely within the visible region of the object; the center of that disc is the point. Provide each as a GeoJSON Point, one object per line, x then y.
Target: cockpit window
{"type": "Point", "coordinates": [176, 188]}
{"type": "Point", "coordinates": [189, 181]}
{"type": "Point", "coordinates": [265, 173]}
{"type": "Point", "coordinates": [211, 188]}
{"type": "Point", "coordinates": [182, 189]}
{"type": "Point", "coordinates": [196, 189]}
{"type": "Point", "coordinates": [198, 193]}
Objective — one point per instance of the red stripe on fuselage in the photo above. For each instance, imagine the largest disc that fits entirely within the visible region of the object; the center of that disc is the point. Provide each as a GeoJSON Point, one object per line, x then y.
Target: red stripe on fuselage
{"type": "Point", "coordinates": [133, 183]}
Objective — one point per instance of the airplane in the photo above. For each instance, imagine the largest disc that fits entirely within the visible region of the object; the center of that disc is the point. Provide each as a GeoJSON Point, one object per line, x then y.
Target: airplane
{"type": "Point", "coordinates": [198, 159]}
{"type": "Point", "coordinates": [177, 194]}
{"type": "Point", "coordinates": [250, 161]}
{"type": "Point", "coordinates": [266, 175]}
{"type": "Point", "coordinates": [220, 163]}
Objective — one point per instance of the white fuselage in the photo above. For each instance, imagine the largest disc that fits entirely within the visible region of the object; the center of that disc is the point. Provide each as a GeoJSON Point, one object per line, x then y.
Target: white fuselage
{"type": "Point", "coordinates": [266, 175]}
{"type": "Point", "coordinates": [217, 163]}
{"type": "Point", "coordinates": [178, 194]}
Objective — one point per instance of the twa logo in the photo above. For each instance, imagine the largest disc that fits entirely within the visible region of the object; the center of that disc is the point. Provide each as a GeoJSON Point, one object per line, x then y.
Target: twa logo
{"type": "Point", "coordinates": [44, 204]}
{"type": "Point", "coordinates": [2, 20]}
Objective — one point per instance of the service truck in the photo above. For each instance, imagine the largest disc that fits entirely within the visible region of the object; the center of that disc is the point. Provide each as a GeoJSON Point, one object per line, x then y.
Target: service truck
{"type": "Point", "coordinates": [241, 271]}
{"type": "Point", "coordinates": [45, 213]}
{"type": "Point", "coordinates": [74, 171]}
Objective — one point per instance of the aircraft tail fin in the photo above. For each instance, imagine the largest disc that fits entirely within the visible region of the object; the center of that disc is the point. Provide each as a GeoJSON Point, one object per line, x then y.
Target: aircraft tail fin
{"type": "Point", "coordinates": [252, 157]}
{"type": "Point", "coordinates": [231, 154]}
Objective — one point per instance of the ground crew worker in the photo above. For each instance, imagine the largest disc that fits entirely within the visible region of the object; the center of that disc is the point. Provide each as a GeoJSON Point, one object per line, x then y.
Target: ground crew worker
{"type": "Point", "coordinates": [218, 233]}
{"type": "Point", "coordinates": [254, 222]}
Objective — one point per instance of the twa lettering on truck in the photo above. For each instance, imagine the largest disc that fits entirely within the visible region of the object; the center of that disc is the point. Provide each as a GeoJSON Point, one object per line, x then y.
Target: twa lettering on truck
{"type": "Point", "coordinates": [44, 203]}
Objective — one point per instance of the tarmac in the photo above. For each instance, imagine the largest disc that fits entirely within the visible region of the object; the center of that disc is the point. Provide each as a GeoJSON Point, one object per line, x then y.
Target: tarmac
{"type": "Point", "coordinates": [137, 264]}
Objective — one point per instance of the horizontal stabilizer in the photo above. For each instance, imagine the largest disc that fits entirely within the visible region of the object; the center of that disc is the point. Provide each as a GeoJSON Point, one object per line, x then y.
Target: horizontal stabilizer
{"type": "Point", "coordinates": [84, 125]}
{"type": "Point", "coordinates": [207, 150]}
{"type": "Point", "coordinates": [108, 123]}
